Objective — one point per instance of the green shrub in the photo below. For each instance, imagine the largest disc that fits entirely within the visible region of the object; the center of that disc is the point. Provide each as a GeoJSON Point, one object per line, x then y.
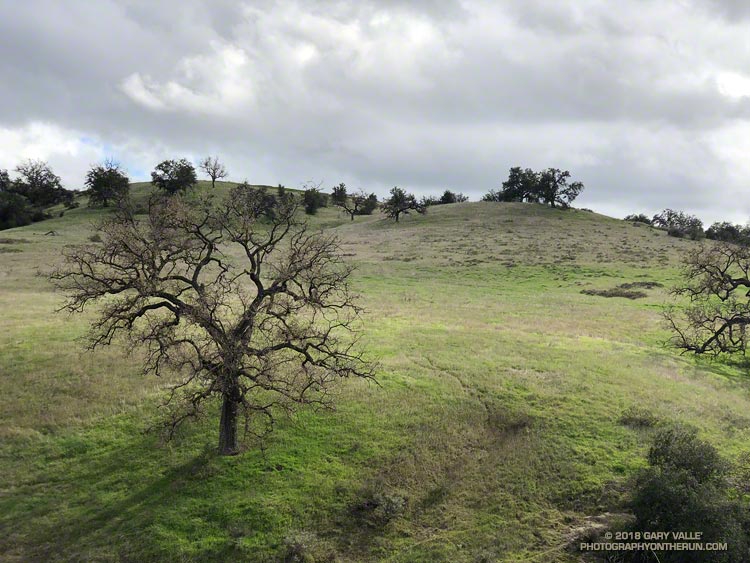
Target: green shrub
{"type": "Point", "coordinates": [378, 507]}
{"type": "Point", "coordinates": [313, 199]}
{"type": "Point", "coordinates": [685, 490]}
{"type": "Point", "coordinates": [678, 448]}
{"type": "Point", "coordinates": [306, 547]}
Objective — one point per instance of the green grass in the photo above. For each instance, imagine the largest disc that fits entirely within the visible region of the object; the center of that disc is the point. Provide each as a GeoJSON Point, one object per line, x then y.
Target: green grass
{"type": "Point", "coordinates": [496, 419]}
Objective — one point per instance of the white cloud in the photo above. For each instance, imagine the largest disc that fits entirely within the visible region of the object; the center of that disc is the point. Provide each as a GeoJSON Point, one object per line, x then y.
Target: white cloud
{"type": "Point", "coordinates": [218, 82]}
{"type": "Point", "coordinates": [733, 84]}
{"type": "Point", "coordinates": [648, 104]}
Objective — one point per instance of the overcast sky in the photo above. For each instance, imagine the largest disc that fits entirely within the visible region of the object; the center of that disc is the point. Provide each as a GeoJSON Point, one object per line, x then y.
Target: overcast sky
{"type": "Point", "coordinates": [646, 102]}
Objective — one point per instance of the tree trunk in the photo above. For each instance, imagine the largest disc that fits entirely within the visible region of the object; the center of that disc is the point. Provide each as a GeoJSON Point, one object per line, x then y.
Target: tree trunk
{"type": "Point", "coordinates": [228, 426]}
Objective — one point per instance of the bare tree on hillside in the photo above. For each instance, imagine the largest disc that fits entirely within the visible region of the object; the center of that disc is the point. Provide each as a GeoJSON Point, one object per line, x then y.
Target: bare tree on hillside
{"type": "Point", "coordinates": [213, 169]}
{"type": "Point", "coordinates": [716, 317]}
{"type": "Point", "coordinates": [248, 307]}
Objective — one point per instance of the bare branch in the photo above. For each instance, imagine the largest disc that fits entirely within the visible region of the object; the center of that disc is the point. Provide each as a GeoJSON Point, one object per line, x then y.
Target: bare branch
{"type": "Point", "coordinates": [236, 297]}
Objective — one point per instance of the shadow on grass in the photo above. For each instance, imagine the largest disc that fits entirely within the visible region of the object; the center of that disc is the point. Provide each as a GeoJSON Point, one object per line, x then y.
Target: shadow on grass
{"type": "Point", "coordinates": [66, 513]}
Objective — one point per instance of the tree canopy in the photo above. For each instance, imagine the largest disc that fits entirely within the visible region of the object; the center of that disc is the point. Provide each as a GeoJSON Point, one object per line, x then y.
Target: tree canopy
{"type": "Point", "coordinates": [357, 203]}
{"type": "Point", "coordinates": [173, 176]}
{"type": "Point", "coordinates": [39, 184]}
{"type": "Point", "coordinates": [106, 183]}
{"type": "Point", "coordinates": [313, 199]}
{"type": "Point", "coordinates": [550, 186]}
{"type": "Point", "coordinates": [716, 280]}
{"type": "Point", "coordinates": [401, 202]}
{"type": "Point", "coordinates": [679, 224]}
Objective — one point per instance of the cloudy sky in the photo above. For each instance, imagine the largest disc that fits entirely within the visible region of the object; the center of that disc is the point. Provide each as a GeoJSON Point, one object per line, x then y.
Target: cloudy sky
{"type": "Point", "coordinates": [646, 102]}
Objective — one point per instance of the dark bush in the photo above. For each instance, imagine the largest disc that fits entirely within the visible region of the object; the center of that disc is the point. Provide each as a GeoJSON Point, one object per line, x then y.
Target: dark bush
{"type": "Point", "coordinates": [377, 507]}
{"type": "Point", "coordinates": [685, 490]}
{"type": "Point", "coordinates": [15, 210]}
{"type": "Point", "coordinates": [369, 205]}
{"type": "Point", "coordinates": [615, 292]}
{"type": "Point", "coordinates": [727, 232]}
{"type": "Point", "coordinates": [640, 284]}
{"type": "Point", "coordinates": [452, 197]}
{"type": "Point", "coordinates": [313, 199]}
{"type": "Point", "coordinates": [640, 218]}
{"type": "Point", "coordinates": [107, 183]}
{"type": "Point", "coordinates": [306, 547]}
{"type": "Point", "coordinates": [173, 176]}
{"type": "Point", "coordinates": [679, 224]}
{"type": "Point", "coordinates": [263, 201]}
{"type": "Point", "coordinates": [679, 448]}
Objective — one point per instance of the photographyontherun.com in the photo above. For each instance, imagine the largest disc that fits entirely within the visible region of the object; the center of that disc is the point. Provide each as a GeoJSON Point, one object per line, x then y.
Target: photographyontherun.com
{"type": "Point", "coordinates": [653, 541]}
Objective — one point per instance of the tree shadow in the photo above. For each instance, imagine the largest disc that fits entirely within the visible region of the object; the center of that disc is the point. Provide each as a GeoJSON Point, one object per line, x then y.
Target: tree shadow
{"type": "Point", "coordinates": [88, 521]}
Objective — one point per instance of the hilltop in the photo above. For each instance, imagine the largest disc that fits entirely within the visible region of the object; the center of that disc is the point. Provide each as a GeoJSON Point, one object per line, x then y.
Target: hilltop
{"type": "Point", "coordinates": [498, 426]}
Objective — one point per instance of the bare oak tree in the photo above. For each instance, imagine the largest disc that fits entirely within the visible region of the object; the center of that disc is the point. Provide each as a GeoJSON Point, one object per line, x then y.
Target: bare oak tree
{"type": "Point", "coordinates": [213, 169]}
{"type": "Point", "coordinates": [244, 305]}
{"type": "Point", "coordinates": [717, 287]}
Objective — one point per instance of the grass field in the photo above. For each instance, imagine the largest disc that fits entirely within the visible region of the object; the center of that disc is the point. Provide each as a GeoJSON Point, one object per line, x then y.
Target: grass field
{"type": "Point", "coordinates": [494, 431]}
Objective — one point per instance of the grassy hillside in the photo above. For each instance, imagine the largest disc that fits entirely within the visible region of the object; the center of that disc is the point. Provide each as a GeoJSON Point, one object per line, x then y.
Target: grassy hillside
{"type": "Point", "coordinates": [494, 432]}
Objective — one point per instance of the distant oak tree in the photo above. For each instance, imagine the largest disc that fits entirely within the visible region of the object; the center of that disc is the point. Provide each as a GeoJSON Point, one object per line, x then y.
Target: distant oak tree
{"type": "Point", "coordinates": [214, 169]}
{"type": "Point", "coordinates": [107, 183]}
{"type": "Point", "coordinates": [451, 197]}
{"type": "Point", "coordinates": [313, 199]}
{"type": "Point", "coordinates": [39, 184]}
{"type": "Point", "coordinates": [728, 232]}
{"type": "Point", "coordinates": [400, 203]}
{"type": "Point", "coordinates": [549, 186]}
{"type": "Point", "coordinates": [679, 224]}
{"type": "Point", "coordinates": [554, 189]}
{"type": "Point", "coordinates": [357, 203]}
{"type": "Point", "coordinates": [173, 176]}
{"type": "Point", "coordinates": [247, 307]}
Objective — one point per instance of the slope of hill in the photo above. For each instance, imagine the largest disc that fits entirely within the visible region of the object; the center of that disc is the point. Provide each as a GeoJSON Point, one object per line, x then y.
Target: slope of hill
{"type": "Point", "coordinates": [495, 431]}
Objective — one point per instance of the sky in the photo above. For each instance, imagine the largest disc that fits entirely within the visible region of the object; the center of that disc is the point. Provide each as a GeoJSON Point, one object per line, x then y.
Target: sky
{"type": "Point", "coordinates": [647, 103]}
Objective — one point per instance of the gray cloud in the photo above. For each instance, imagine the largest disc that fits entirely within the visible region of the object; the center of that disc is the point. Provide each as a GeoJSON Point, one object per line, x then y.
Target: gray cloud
{"type": "Point", "coordinates": [644, 103]}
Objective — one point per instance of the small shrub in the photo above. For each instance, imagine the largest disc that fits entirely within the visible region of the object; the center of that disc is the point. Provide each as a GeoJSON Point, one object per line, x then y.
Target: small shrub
{"type": "Point", "coordinates": [640, 218]}
{"type": "Point", "coordinates": [627, 290]}
{"type": "Point", "coordinates": [306, 547]}
{"type": "Point", "coordinates": [378, 507]}
{"type": "Point", "coordinates": [641, 285]}
{"type": "Point", "coordinates": [615, 292]}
